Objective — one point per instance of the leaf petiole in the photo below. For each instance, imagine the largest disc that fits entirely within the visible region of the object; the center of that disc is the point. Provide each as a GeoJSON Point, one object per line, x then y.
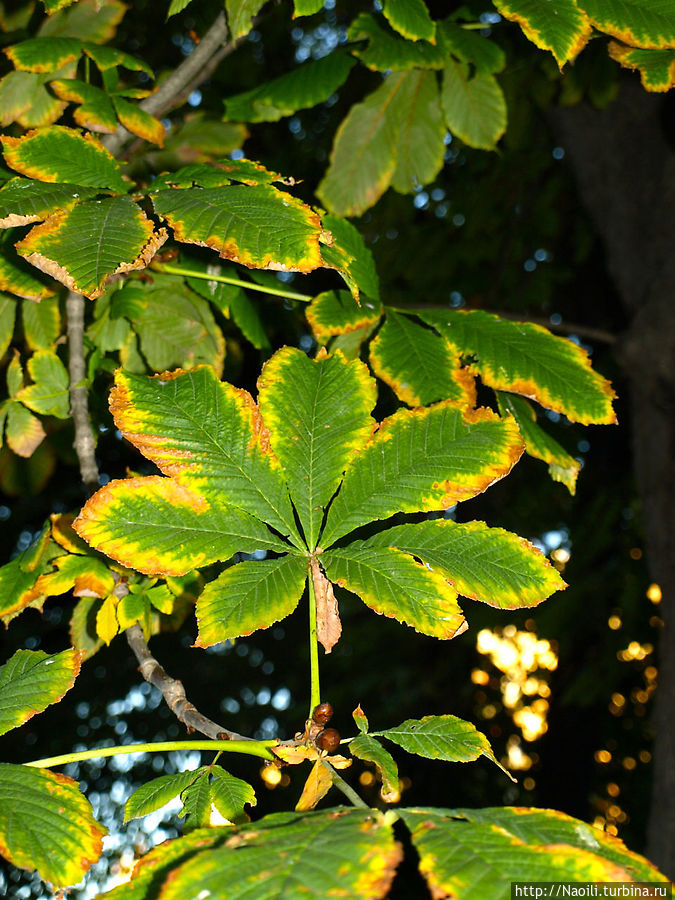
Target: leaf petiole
{"type": "Point", "coordinates": [315, 688]}
{"type": "Point", "coordinates": [227, 279]}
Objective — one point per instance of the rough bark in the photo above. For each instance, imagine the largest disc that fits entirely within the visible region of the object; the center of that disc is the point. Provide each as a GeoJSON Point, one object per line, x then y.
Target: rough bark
{"type": "Point", "coordinates": [625, 169]}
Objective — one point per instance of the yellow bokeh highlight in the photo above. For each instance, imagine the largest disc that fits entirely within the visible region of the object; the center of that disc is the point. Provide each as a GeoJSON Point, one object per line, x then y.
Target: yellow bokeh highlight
{"type": "Point", "coordinates": [614, 623]}
{"type": "Point", "coordinates": [271, 776]}
{"type": "Point", "coordinates": [654, 593]}
{"type": "Point", "coordinates": [602, 756]}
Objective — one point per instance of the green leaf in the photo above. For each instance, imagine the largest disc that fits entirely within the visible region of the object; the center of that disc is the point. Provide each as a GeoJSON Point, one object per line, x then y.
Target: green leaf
{"type": "Point", "coordinates": [88, 20]}
{"type": "Point", "coordinates": [49, 394]}
{"type": "Point", "coordinates": [31, 681]}
{"type": "Point", "coordinates": [247, 318]}
{"type": "Point", "coordinates": [358, 843]}
{"type": "Point", "coordinates": [361, 265]}
{"type": "Point", "coordinates": [422, 460]}
{"type": "Point", "coordinates": [538, 443]}
{"type": "Point", "coordinates": [642, 23]}
{"type": "Point", "coordinates": [565, 34]}
{"type": "Point", "coordinates": [46, 824]}
{"type": "Point", "coordinates": [527, 359]}
{"type": "Point", "coordinates": [386, 51]}
{"type": "Point", "coordinates": [307, 7]}
{"type": "Point", "coordinates": [111, 57]}
{"type": "Point", "coordinates": [259, 227]}
{"type": "Point", "coordinates": [240, 14]}
{"type": "Point", "coordinates": [363, 159]}
{"type": "Point", "coordinates": [411, 19]}
{"type": "Point", "coordinates": [14, 375]}
{"type": "Point", "coordinates": [306, 86]}
{"type": "Point", "coordinates": [82, 628]}
{"type": "Point", "coordinates": [480, 857]}
{"type": "Point", "coordinates": [336, 312]}
{"type": "Point", "coordinates": [17, 589]}
{"type": "Point", "coordinates": [23, 200]}
{"type": "Point", "coordinates": [657, 67]}
{"type": "Point", "coordinates": [248, 597]}
{"type": "Point", "coordinates": [208, 436]}
{"type": "Point", "coordinates": [62, 245]}
{"type": "Point", "coordinates": [419, 365]}
{"type": "Point", "coordinates": [17, 94]}
{"type": "Point", "coordinates": [24, 431]}
{"type": "Point", "coordinates": [8, 307]}
{"type": "Point", "coordinates": [155, 794]}
{"type": "Point", "coordinates": [17, 276]}
{"type": "Point", "coordinates": [63, 154]}
{"type": "Point", "coordinates": [318, 415]}
{"type": "Point", "coordinates": [157, 526]}
{"type": "Point", "coordinates": [174, 327]}
{"type": "Point", "coordinates": [196, 799]}
{"type": "Point", "coordinates": [440, 737]}
{"type": "Point", "coordinates": [41, 323]}
{"type": "Point", "coordinates": [394, 585]}
{"type": "Point", "coordinates": [139, 122]}
{"type": "Point", "coordinates": [95, 110]}
{"type": "Point", "coordinates": [44, 54]}
{"type": "Point", "coordinates": [485, 55]}
{"type": "Point", "coordinates": [486, 564]}
{"type": "Point", "coordinates": [177, 6]}
{"type": "Point", "coordinates": [368, 749]}
{"type": "Point", "coordinates": [229, 794]}
{"type": "Point", "coordinates": [474, 108]}
{"type": "Point", "coordinates": [421, 148]}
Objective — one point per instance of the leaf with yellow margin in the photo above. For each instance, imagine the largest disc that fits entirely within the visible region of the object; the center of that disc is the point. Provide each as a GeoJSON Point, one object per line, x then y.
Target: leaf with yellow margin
{"type": "Point", "coordinates": [649, 24]}
{"type": "Point", "coordinates": [31, 680]}
{"type": "Point", "coordinates": [657, 67]}
{"type": "Point", "coordinates": [336, 312]}
{"type": "Point", "coordinates": [47, 824]}
{"type": "Point", "coordinates": [564, 30]}
{"type": "Point", "coordinates": [421, 460]}
{"type": "Point", "coordinates": [527, 359]}
{"type": "Point", "coordinates": [62, 246]}
{"type": "Point", "coordinates": [139, 122]}
{"type": "Point", "coordinates": [259, 227]}
{"type": "Point", "coordinates": [24, 200]}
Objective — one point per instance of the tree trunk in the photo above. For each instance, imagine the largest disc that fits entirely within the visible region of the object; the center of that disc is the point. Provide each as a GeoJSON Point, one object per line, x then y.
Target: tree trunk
{"type": "Point", "coordinates": [625, 169]}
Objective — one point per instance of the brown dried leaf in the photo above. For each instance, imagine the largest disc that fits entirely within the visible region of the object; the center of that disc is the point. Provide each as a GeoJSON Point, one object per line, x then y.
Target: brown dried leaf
{"type": "Point", "coordinates": [328, 625]}
{"type": "Point", "coordinates": [317, 786]}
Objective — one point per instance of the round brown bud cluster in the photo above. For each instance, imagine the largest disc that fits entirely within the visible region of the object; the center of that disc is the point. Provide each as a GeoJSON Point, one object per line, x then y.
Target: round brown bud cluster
{"type": "Point", "coordinates": [328, 740]}
{"type": "Point", "coordinates": [322, 714]}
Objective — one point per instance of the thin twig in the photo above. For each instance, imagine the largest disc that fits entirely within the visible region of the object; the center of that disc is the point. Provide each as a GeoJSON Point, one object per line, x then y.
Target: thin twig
{"type": "Point", "coordinates": [187, 73]}
{"type": "Point", "coordinates": [174, 693]}
{"type": "Point", "coordinates": [346, 789]}
{"type": "Point", "coordinates": [79, 401]}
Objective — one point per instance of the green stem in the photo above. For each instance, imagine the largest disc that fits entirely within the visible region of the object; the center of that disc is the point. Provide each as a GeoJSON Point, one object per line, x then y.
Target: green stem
{"type": "Point", "coordinates": [252, 748]}
{"type": "Point", "coordinates": [342, 785]}
{"type": "Point", "coordinates": [315, 688]}
{"type": "Point", "coordinates": [227, 279]}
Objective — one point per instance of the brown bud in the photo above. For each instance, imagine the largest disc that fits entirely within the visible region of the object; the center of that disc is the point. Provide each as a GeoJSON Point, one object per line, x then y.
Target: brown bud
{"type": "Point", "coordinates": [328, 739]}
{"type": "Point", "coordinates": [322, 713]}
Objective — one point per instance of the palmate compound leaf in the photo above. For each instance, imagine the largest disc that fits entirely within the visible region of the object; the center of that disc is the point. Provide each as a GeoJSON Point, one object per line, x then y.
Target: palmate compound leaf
{"type": "Point", "coordinates": [422, 460]}
{"type": "Point", "coordinates": [32, 680]}
{"type": "Point", "coordinates": [47, 824]}
{"type": "Point", "coordinates": [527, 359]}
{"type": "Point", "coordinates": [317, 413]}
{"type": "Point", "coordinates": [343, 852]}
{"type": "Point", "coordinates": [62, 246]}
{"type": "Point", "coordinates": [260, 227]}
{"type": "Point", "coordinates": [477, 854]}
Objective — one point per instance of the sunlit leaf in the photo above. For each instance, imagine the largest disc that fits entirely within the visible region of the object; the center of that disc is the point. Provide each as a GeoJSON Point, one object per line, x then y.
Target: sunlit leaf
{"type": "Point", "coordinates": [475, 109]}
{"type": "Point", "coordinates": [229, 795]}
{"type": "Point", "coordinates": [477, 854]}
{"type": "Point", "coordinates": [336, 312]}
{"type": "Point", "coordinates": [565, 34]}
{"type": "Point", "coordinates": [8, 306]}
{"type": "Point", "coordinates": [527, 359]}
{"type": "Point", "coordinates": [419, 365]}
{"type": "Point", "coordinates": [657, 67]}
{"type": "Point", "coordinates": [63, 154]}
{"type": "Point", "coordinates": [249, 596]}
{"type": "Point", "coordinates": [359, 845]}
{"type": "Point", "coordinates": [83, 574]}
{"type": "Point", "coordinates": [306, 86]}
{"type": "Point", "coordinates": [17, 94]}
{"type": "Point", "coordinates": [49, 394]}
{"type": "Point", "coordinates": [95, 110]}
{"type": "Point", "coordinates": [368, 749]}
{"type": "Point", "coordinates": [17, 589]}
{"type": "Point", "coordinates": [439, 737]}
{"type": "Point", "coordinates": [422, 460]}
{"type": "Point", "coordinates": [318, 415]}
{"type": "Point", "coordinates": [196, 799]}
{"type": "Point", "coordinates": [107, 625]}
{"type": "Point", "coordinates": [47, 824]}
{"type": "Point", "coordinates": [82, 628]}
{"type": "Point", "coordinates": [394, 585]}
{"type": "Point", "coordinates": [486, 564]}
{"type": "Point", "coordinates": [44, 54]}
{"type": "Point", "coordinates": [158, 526]}
{"type": "Point", "coordinates": [23, 200]}
{"type": "Point", "coordinates": [208, 436]}
{"type": "Point", "coordinates": [62, 246]}
{"type": "Point", "coordinates": [259, 227]}
{"type": "Point", "coordinates": [319, 782]}
{"type": "Point", "coordinates": [107, 57]}
{"type": "Point", "coordinates": [538, 443]}
{"type": "Point", "coordinates": [361, 265]}
{"type": "Point", "coordinates": [24, 432]}
{"type": "Point", "coordinates": [88, 20]}
{"type": "Point", "coordinates": [642, 23]}
{"type": "Point", "coordinates": [139, 122]}
{"type": "Point", "coordinates": [31, 681]}
{"type": "Point", "coordinates": [41, 323]}
{"type": "Point", "coordinates": [17, 276]}
{"type": "Point", "coordinates": [240, 14]}
{"type": "Point", "coordinates": [411, 19]}
{"type": "Point", "coordinates": [155, 794]}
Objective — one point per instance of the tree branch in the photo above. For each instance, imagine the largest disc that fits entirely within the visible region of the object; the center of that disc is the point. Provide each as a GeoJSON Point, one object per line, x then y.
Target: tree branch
{"type": "Point", "coordinates": [192, 71]}
{"type": "Point", "coordinates": [174, 692]}
{"type": "Point", "coordinates": [79, 401]}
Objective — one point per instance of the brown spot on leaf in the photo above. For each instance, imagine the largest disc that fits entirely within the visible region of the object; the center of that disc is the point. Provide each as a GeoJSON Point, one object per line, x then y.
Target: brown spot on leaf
{"type": "Point", "coordinates": [328, 625]}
